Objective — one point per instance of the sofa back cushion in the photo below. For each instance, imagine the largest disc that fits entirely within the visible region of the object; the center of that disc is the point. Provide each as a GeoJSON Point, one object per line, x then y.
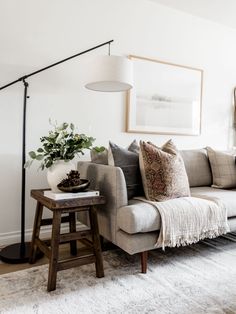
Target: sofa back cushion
{"type": "Point", "coordinates": [197, 167]}
{"type": "Point", "coordinates": [99, 157]}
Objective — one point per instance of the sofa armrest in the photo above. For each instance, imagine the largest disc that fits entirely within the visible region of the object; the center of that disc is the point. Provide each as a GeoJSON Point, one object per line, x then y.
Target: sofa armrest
{"type": "Point", "coordinates": [110, 181]}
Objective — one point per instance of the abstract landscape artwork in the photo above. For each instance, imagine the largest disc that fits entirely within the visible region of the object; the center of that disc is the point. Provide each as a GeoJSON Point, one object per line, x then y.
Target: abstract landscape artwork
{"type": "Point", "coordinates": [166, 98]}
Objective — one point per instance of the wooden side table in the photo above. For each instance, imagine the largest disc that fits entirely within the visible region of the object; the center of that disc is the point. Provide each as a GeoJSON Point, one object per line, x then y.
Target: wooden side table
{"type": "Point", "coordinates": [90, 254]}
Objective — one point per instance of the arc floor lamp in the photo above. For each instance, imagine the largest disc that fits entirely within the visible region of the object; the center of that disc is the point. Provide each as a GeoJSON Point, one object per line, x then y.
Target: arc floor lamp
{"type": "Point", "coordinates": [109, 74]}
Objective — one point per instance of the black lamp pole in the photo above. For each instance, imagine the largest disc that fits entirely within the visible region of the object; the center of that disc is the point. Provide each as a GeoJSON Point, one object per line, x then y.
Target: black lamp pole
{"type": "Point", "coordinates": [22, 245]}
{"type": "Point", "coordinates": [19, 252]}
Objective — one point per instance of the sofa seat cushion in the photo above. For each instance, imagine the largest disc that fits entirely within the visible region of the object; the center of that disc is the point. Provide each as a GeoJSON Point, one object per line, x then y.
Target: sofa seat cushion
{"type": "Point", "coordinates": [138, 217]}
{"type": "Point", "coordinates": [228, 197]}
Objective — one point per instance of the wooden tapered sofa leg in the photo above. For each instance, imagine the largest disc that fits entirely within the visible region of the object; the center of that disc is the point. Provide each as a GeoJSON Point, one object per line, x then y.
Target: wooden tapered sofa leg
{"type": "Point", "coordinates": [144, 257]}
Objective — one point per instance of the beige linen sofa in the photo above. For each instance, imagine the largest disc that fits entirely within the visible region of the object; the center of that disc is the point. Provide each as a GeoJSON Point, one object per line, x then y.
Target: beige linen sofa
{"type": "Point", "coordinates": [134, 225]}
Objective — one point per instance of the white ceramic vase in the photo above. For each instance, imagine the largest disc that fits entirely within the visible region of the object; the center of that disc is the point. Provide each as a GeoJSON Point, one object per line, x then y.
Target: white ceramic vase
{"type": "Point", "coordinates": [57, 172]}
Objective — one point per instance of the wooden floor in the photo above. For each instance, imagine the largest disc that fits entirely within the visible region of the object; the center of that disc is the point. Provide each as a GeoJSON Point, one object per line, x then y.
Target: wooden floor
{"type": "Point", "coordinates": [8, 268]}
{"type": "Point", "coordinates": [64, 250]}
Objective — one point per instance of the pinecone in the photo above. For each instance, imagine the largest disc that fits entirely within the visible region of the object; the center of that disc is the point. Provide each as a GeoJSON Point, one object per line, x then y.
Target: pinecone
{"type": "Point", "coordinates": [73, 179]}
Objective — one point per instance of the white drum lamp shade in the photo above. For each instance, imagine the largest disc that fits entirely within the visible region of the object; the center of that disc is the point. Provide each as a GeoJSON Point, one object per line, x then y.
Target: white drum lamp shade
{"type": "Point", "coordinates": [110, 74]}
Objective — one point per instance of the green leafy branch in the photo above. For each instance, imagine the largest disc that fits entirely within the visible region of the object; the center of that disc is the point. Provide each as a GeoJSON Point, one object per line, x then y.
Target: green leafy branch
{"type": "Point", "coordinates": [62, 143]}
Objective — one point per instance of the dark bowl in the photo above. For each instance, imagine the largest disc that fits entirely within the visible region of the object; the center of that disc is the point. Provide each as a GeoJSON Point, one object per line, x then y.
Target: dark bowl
{"type": "Point", "coordinates": [77, 188]}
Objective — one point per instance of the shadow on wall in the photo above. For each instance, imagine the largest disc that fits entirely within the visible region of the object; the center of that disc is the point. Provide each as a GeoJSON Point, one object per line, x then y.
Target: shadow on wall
{"type": "Point", "coordinates": [10, 191]}
{"type": "Point", "coordinates": [10, 166]}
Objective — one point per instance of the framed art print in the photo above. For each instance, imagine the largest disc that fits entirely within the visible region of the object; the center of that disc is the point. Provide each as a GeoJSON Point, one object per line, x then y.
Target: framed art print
{"type": "Point", "coordinates": [166, 98]}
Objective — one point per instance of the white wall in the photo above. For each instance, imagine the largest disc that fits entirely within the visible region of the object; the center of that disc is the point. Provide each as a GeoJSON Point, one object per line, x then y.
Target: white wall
{"type": "Point", "coordinates": [36, 33]}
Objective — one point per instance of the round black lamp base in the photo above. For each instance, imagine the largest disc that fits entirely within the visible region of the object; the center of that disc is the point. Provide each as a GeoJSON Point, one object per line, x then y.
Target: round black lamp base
{"type": "Point", "coordinates": [15, 254]}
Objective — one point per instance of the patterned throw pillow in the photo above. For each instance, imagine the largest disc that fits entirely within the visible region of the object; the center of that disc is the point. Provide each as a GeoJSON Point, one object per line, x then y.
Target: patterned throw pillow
{"type": "Point", "coordinates": [128, 161]}
{"type": "Point", "coordinates": [223, 169]}
{"type": "Point", "coordinates": [163, 172]}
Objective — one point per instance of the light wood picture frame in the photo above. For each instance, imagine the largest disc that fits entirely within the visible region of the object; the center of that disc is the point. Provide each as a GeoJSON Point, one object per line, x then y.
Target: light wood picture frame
{"type": "Point", "coordinates": [166, 98]}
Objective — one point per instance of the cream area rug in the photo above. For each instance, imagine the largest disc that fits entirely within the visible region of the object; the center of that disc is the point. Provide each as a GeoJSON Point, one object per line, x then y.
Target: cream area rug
{"type": "Point", "coordinates": [196, 279]}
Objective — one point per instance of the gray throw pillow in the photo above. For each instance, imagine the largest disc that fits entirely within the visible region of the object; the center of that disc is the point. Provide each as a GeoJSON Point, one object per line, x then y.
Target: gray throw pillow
{"type": "Point", "coordinates": [128, 161]}
{"type": "Point", "coordinates": [134, 147]}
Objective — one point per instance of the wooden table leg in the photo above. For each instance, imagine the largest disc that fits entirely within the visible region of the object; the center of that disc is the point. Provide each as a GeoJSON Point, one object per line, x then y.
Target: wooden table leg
{"type": "Point", "coordinates": [36, 231]}
{"type": "Point", "coordinates": [73, 244]}
{"type": "Point", "coordinates": [144, 257]}
{"type": "Point", "coordinates": [96, 241]}
{"type": "Point", "coordinates": [55, 241]}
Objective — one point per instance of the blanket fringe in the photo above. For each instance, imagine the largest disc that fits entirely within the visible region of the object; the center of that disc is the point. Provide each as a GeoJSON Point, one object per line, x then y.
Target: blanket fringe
{"type": "Point", "coordinates": [183, 241]}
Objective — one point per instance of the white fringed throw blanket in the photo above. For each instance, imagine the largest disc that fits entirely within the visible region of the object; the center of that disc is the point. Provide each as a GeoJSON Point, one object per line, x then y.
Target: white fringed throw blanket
{"type": "Point", "coordinates": [187, 220]}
